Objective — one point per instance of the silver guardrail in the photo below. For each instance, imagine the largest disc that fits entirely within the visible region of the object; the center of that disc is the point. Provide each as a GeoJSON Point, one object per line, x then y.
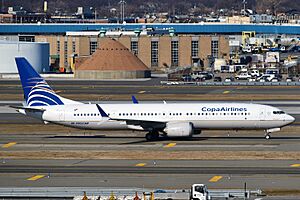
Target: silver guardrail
{"type": "Point", "coordinates": [231, 83]}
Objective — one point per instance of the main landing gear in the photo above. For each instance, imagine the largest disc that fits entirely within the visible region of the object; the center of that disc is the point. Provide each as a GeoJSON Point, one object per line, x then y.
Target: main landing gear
{"type": "Point", "coordinates": [152, 135]}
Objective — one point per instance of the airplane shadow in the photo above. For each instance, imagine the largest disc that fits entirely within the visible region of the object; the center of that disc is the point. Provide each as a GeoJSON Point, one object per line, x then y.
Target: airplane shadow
{"type": "Point", "coordinates": [166, 139]}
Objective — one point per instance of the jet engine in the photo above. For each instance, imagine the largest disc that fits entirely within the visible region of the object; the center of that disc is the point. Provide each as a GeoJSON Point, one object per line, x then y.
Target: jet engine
{"type": "Point", "coordinates": [179, 129]}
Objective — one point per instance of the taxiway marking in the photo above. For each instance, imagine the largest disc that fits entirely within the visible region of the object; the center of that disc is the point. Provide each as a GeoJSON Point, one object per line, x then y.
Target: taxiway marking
{"type": "Point", "coordinates": [36, 177]}
{"type": "Point", "coordinates": [140, 164]}
{"type": "Point", "coordinates": [170, 145]}
{"type": "Point", "coordinates": [10, 144]}
{"type": "Point", "coordinates": [215, 179]}
{"type": "Point", "coordinates": [295, 165]}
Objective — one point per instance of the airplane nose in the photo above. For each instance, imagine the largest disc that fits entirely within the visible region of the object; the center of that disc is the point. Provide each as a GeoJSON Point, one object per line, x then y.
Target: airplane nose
{"type": "Point", "coordinates": [290, 118]}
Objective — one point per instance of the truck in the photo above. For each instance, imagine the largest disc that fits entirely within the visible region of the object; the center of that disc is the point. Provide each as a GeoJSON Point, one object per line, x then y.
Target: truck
{"type": "Point", "coordinates": [199, 192]}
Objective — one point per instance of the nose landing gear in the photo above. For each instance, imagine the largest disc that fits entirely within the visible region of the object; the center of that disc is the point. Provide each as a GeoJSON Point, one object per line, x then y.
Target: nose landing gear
{"type": "Point", "coordinates": [268, 131]}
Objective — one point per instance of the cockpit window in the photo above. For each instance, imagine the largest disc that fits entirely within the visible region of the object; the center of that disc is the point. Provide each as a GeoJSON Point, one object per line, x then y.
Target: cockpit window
{"type": "Point", "coordinates": [280, 112]}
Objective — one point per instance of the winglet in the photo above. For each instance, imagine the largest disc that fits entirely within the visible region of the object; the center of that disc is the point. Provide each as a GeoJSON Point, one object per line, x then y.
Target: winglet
{"type": "Point", "coordinates": [102, 112]}
{"type": "Point", "coordinates": [134, 100]}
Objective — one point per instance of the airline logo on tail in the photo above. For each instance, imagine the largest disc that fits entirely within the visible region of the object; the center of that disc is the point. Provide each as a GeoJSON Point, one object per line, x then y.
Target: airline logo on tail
{"type": "Point", "coordinates": [41, 94]}
{"type": "Point", "coordinates": [36, 91]}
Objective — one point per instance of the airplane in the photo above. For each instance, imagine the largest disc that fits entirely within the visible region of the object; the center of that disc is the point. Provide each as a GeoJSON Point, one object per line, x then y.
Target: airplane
{"type": "Point", "coordinates": [171, 120]}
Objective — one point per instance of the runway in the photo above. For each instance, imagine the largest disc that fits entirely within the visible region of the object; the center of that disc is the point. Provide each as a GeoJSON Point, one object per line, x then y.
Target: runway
{"type": "Point", "coordinates": [150, 89]}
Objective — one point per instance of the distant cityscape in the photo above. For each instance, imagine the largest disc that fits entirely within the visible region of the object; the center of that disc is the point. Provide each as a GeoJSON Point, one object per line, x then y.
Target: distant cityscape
{"type": "Point", "coordinates": [120, 11]}
{"type": "Point", "coordinates": [195, 38]}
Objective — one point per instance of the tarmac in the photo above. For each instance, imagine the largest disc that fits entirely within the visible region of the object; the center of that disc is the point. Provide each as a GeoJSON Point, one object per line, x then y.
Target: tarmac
{"type": "Point", "coordinates": [275, 167]}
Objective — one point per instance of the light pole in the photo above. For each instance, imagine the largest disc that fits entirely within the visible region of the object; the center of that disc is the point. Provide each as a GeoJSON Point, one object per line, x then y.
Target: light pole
{"type": "Point", "coordinates": [122, 10]}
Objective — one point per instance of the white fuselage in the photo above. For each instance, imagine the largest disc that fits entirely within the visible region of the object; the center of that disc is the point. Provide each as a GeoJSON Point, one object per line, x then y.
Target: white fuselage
{"type": "Point", "coordinates": [202, 115]}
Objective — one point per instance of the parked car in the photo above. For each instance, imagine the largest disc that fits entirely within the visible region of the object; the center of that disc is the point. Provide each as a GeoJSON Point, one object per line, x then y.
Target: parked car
{"type": "Point", "coordinates": [290, 79]}
{"type": "Point", "coordinates": [243, 76]}
{"type": "Point", "coordinates": [266, 78]}
{"type": "Point", "coordinates": [229, 79]}
{"type": "Point", "coordinates": [274, 80]}
{"type": "Point", "coordinates": [217, 79]}
{"type": "Point", "coordinates": [200, 75]}
{"type": "Point", "coordinates": [252, 79]}
{"type": "Point", "coordinates": [187, 78]}
{"type": "Point", "coordinates": [254, 73]}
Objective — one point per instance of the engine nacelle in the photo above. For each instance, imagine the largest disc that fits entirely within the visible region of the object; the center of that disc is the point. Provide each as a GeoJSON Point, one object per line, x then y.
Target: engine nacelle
{"type": "Point", "coordinates": [179, 129]}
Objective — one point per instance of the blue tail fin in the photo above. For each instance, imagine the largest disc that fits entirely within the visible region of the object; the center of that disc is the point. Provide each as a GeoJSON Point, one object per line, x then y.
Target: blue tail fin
{"type": "Point", "coordinates": [36, 91]}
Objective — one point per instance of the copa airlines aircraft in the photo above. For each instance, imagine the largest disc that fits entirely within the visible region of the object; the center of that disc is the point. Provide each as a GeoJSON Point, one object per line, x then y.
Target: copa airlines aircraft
{"type": "Point", "coordinates": [172, 120]}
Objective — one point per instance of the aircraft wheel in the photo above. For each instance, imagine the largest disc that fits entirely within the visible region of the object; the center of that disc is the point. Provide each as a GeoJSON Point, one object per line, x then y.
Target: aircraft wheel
{"type": "Point", "coordinates": [267, 136]}
{"type": "Point", "coordinates": [151, 136]}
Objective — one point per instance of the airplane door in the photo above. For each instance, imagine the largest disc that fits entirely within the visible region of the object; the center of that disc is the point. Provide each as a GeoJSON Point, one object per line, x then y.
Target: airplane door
{"type": "Point", "coordinates": [61, 115]}
{"type": "Point", "coordinates": [262, 113]}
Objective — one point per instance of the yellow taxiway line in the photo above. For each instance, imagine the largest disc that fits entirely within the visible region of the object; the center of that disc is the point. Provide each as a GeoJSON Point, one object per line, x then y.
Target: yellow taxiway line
{"type": "Point", "coordinates": [10, 144]}
{"type": "Point", "coordinates": [295, 165]}
{"type": "Point", "coordinates": [215, 179]}
{"type": "Point", "coordinates": [170, 145]}
{"type": "Point", "coordinates": [140, 164]}
{"type": "Point", "coordinates": [36, 177]}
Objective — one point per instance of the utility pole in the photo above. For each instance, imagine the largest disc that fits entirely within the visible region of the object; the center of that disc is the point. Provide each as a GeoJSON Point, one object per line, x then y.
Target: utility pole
{"type": "Point", "coordinates": [122, 10]}
{"type": "Point", "coordinates": [244, 3]}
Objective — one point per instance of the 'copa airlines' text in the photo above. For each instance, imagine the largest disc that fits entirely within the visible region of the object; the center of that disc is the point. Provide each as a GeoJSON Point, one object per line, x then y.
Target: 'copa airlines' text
{"type": "Point", "coordinates": [224, 109]}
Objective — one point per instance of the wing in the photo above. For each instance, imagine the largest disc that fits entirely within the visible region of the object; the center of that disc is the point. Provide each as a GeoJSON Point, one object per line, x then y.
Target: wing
{"type": "Point", "coordinates": [145, 124]}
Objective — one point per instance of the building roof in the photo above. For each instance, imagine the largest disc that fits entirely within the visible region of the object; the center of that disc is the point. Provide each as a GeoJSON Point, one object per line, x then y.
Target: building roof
{"type": "Point", "coordinates": [183, 28]}
{"type": "Point", "coordinates": [111, 55]}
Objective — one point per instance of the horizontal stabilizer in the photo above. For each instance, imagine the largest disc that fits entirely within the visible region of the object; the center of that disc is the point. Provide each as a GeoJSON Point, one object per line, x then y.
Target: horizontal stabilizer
{"type": "Point", "coordinates": [28, 108]}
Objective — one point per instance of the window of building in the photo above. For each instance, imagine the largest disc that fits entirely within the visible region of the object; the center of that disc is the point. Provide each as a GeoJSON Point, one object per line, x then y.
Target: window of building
{"type": "Point", "coordinates": [134, 46]}
{"type": "Point", "coordinates": [66, 53]}
{"type": "Point", "coordinates": [26, 38]}
{"type": "Point", "coordinates": [214, 48]}
{"type": "Point", "coordinates": [154, 53]}
{"type": "Point", "coordinates": [73, 46]}
{"type": "Point", "coordinates": [174, 53]}
{"type": "Point", "coordinates": [195, 48]}
{"type": "Point", "coordinates": [93, 46]}
{"type": "Point", "coordinates": [58, 47]}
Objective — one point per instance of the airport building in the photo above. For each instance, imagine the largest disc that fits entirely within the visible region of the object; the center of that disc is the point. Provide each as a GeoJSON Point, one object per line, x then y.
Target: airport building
{"type": "Point", "coordinates": [156, 52]}
{"type": "Point", "coordinates": [37, 54]}
{"type": "Point", "coordinates": [161, 47]}
{"type": "Point", "coordinates": [111, 60]}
